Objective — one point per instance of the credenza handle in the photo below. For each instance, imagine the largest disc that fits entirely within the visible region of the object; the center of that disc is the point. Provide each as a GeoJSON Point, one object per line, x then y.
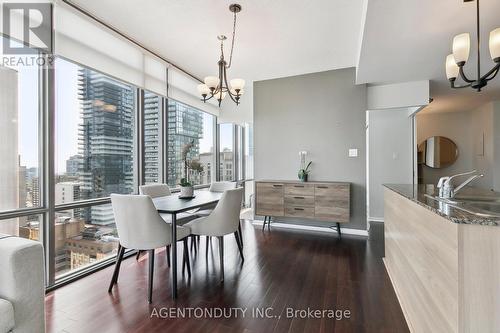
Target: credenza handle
{"type": "Point", "coordinates": [301, 186]}
{"type": "Point", "coordinates": [322, 186]}
{"type": "Point", "coordinates": [299, 197]}
{"type": "Point", "coordinates": [299, 208]}
{"type": "Point", "coordinates": [277, 185]}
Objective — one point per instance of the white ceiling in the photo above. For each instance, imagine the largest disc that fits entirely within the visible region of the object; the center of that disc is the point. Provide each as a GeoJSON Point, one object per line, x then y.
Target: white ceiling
{"type": "Point", "coordinates": [409, 40]}
{"type": "Point", "coordinates": [274, 38]}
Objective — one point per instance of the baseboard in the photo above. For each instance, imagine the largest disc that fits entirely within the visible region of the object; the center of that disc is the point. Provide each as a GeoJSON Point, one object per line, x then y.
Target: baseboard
{"type": "Point", "coordinates": [345, 231]}
{"type": "Point", "coordinates": [396, 291]}
{"type": "Point", "coordinates": [375, 219]}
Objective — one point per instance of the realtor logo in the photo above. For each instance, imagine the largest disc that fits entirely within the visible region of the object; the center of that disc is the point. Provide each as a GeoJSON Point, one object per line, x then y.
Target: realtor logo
{"type": "Point", "coordinates": [30, 27]}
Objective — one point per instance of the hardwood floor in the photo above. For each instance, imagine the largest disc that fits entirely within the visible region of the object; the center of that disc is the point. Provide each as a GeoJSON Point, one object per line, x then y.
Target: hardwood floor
{"type": "Point", "coordinates": [283, 269]}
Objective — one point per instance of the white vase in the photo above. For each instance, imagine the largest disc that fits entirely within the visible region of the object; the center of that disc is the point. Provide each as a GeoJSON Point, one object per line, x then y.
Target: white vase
{"type": "Point", "coordinates": [187, 191]}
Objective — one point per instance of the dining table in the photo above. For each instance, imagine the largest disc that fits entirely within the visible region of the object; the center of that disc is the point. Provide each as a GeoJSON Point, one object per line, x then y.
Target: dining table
{"type": "Point", "coordinates": [174, 205]}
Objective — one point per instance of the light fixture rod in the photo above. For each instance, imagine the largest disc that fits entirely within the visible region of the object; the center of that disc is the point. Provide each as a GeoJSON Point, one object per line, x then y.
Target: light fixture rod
{"type": "Point", "coordinates": [478, 42]}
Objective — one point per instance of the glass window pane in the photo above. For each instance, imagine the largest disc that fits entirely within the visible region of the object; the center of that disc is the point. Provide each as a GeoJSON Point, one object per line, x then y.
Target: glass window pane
{"type": "Point", "coordinates": [152, 123]}
{"type": "Point", "coordinates": [25, 227]}
{"type": "Point", "coordinates": [187, 125]}
{"type": "Point", "coordinates": [95, 126]}
{"type": "Point", "coordinates": [249, 151]}
{"type": "Point", "coordinates": [226, 158]}
{"type": "Point", "coordinates": [83, 237]}
{"type": "Point", "coordinates": [19, 121]}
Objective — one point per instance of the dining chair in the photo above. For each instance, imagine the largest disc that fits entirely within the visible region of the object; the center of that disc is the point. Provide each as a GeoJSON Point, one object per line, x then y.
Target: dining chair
{"type": "Point", "coordinates": [219, 187]}
{"type": "Point", "coordinates": [163, 190]}
{"type": "Point", "coordinates": [223, 220]}
{"type": "Point", "coordinates": [140, 227]}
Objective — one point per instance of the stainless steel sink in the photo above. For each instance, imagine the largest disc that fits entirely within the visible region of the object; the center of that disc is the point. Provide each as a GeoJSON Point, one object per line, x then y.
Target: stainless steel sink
{"type": "Point", "coordinates": [484, 206]}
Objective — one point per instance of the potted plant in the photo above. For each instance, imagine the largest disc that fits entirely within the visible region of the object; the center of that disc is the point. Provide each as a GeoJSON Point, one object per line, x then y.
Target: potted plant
{"type": "Point", "coordinates": [304, 169]}
{"type": "Point", "coordinates": [187, 189]}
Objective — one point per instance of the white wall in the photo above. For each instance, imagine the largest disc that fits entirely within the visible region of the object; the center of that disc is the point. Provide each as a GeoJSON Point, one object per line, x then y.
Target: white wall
{"type": "Point", "coordinates": [390, 155]}
{"type": "Point", "coordinates": [465, 129]}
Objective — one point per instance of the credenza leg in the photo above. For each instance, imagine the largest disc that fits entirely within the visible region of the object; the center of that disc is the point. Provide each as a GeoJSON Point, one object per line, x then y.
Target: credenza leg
{"type": "Point", "coordinates": [338, 230]}
{"type": "Point", "coordinates": [264, 225]}
{"type": "Point", "coordinates": [269, 224]}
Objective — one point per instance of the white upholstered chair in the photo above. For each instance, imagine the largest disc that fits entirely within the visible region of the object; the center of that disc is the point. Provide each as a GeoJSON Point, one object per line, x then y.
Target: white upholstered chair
{"type": "Point", "coordinates": [163, 190]}
{"type": "Point", "coordinates": [140, 227]}
{"type": "Point", "coordinates": [223, 220]}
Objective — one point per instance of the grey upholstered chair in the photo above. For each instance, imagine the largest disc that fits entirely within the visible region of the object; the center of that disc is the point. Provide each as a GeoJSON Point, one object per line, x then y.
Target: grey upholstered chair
{"type": "Point", "coordinates": [140, 227]}
{"type": "Point", "coordinates": [223, 220]}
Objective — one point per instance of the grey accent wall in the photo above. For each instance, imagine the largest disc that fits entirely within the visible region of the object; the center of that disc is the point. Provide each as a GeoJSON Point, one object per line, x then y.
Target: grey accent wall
{"type": "Point", "coordinates": [323, 113]}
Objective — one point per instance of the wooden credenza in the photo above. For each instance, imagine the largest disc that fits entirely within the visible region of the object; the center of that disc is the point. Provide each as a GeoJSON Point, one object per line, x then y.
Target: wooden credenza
{"type": "Point", "coordinates": [323, 201]}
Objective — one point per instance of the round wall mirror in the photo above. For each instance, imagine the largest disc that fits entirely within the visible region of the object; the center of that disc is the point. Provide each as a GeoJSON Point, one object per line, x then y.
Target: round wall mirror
{"type": "Point", "coordinates": [437, 152]}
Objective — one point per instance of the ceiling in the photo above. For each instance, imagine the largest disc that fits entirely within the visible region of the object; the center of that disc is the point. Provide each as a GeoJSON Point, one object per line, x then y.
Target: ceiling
{"type": "Point", "coordinates": [388, 41]}
{"type": "Point", "coordinates": [409, 40]}
{"type": "Point", "coordinates": [274, 38]}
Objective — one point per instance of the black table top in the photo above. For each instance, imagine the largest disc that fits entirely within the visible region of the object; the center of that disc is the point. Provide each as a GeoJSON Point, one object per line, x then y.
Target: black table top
{"type": "Point", "coordinates": [172, 204]}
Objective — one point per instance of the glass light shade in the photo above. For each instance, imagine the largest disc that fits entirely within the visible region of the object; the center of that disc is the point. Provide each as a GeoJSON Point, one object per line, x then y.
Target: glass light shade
{"type": "Point", "coordinates": [241, 92]}
{"type": "Point", "coordinates": [220, 95]}
{"type": "Point", "coordinates": [203, 89]}
{"type": "Point", "coordinates": [451, 67]}
{"type": "Point", "coordinates": [495, 44]}
{"type": "Point", "coordinates": [237, 84]}
{"type": "Point", "coordinates": [461, 48]}
{"type": "Point", "coordinates": [212, 81]}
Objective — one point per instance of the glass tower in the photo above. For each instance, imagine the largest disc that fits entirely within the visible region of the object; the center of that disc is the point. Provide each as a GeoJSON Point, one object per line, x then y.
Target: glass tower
{"type": "Point", "coordinates": [185, 125]}
{"type": "Point", "coordinates": [105, 140]}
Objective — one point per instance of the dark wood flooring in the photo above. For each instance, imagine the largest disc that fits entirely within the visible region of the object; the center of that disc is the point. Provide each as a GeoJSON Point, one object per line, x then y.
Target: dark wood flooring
{"type": "Point", "coordinates": [282, 269]}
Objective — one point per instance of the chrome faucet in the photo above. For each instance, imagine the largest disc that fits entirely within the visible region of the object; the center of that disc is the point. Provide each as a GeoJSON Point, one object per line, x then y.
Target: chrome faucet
{"type": "Point", "coordinates": [446, 188]}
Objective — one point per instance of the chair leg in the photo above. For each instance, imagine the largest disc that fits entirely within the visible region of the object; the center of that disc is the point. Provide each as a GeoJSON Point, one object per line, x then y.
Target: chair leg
{"type": "Point", "coordinates": [221, 255]}
{"type": "Point", "coordinates": [241, 234]}
{"type": "Point", "coordinates": [138, 254]}
{"type": "Point", "coordinates": [186, 258]}
{"type": "Point", "coordinates": [168, 255]}
{"type": "Point", "coordinates": [116, 272]}
{"type": "Point", "coordinates": [151, 274]}
{"type": "Point", "coordinates": [194, 244]}
{"type": "Point", "coordinates": [238, 241]}
{"type": "Point", "coordinates": [207, 238]}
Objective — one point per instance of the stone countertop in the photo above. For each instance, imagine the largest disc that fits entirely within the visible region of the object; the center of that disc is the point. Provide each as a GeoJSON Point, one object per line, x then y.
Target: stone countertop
{"type": "Point", "coordinates": [417, 194]}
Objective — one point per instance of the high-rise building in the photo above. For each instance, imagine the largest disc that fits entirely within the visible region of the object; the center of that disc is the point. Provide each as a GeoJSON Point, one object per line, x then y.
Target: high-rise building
{"type": "Point", "coordinates": [151, 137]}
{"type": "Point", "coordinates": [9, 175]}
{"type": "Point", "coordinates": [72, 165]}
{"type": "Point", "coordinates": [106, 140]}
{"type": "Point", "coordinates": [66, 192]}
{"type": "Point", "coordinates": [226, 165]}
{"type": "Point", "coordinates": [185, 125]}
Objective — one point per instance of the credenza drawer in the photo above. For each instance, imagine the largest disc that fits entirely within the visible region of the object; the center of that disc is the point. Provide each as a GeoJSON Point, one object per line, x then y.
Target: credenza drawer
{"type": "Point", "coordinates": [269, 199]}
{"type": "Point", "coordinates": [299, 200]}
{"type": "Point", "coordinates": [299, 189]}
{"type": "Point", "coordinates": [331, 194]}
{"type": "Point", "coordinates": [294, 211]}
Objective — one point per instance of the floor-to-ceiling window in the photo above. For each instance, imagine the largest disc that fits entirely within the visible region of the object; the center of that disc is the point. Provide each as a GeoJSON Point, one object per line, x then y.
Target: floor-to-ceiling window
{"type": "Point", "coordinates": [62, 157]}
{"type": "Point", "coordinates": [19, 143]}
{"type": "Point", "coordinates": [94, 157]}
{"type": "Point", "coordinates": [152, 108]}
{"type": "Point", "coordinates": [226, 152]}
{"type": "Point", "coordinates": [189, 128]}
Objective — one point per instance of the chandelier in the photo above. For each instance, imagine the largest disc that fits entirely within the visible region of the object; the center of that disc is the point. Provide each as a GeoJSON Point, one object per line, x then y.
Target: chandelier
{"type": "Point", "coordinates": [455, 62]}
{"type": "Point", "coordinates": [216, 86]}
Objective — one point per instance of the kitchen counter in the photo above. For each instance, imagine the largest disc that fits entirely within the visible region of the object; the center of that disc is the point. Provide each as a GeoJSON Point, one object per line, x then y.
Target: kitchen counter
{"type": "Point", "coordinates": [417, 194]}
{"type": "Point", "coordinates": [444, 263]}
